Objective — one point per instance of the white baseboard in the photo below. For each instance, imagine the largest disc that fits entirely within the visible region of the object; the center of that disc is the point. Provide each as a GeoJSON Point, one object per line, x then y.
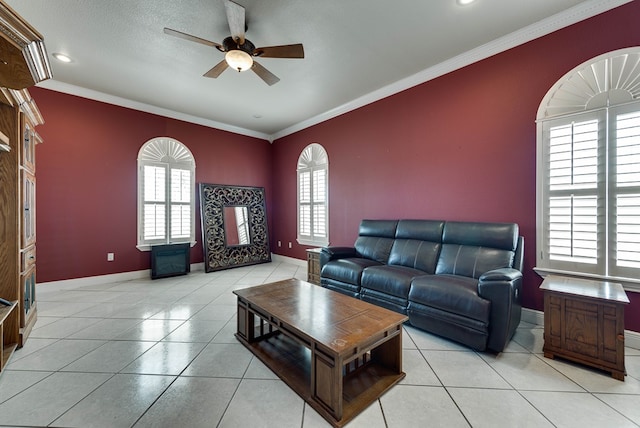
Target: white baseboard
{"type": "Point", "coordinates": [532, 316]}
{"type": "Point", "coordinates": [631, 338]}
{"type": "Point", "coordinates": [66, 284]}
{"type": "Point", "coordinates": [290, 260]}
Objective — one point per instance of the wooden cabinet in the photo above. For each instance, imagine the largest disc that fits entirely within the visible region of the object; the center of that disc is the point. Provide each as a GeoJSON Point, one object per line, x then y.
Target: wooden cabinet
{"type": "Point", "coordinates": [313, 265]}
{"type": "Point", "coordinates": [28, 314]}
{"type": "Point", "coordinates": [19, 116]}
{"type": "Point", "coordinates": [25, 64]}
{"type": "Point", "coordinates": [584, 322]}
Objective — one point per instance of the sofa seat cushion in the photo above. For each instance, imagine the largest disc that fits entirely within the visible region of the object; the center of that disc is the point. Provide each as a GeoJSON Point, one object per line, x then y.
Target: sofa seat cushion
{"type": "Point", "coordinates": [347, 270]}
{"type": "Point", "coordinates": [390, 279]}
{"type": "Point", "coordinates": [451, 293]}
{"type": "Point", "coordinates": [393, 303]}
{"type": "Point", "coordinates": [460, 328]}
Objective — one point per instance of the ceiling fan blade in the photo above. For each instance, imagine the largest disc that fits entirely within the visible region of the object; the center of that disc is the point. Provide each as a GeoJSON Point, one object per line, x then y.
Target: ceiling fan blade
{"type": "Point", "coordinates": [217, 69]}
{"type": "Point", "coordinates": [268, 77]}
{"type": "Point", "coordinates": [189, 37]}
{"type": "Point", "coordinates": [235, 16]}
{"type": "Point", "coordinates": [284, 51]}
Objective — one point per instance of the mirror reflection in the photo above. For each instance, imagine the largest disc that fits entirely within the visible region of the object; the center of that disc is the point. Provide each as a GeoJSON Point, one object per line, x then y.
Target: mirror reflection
{"type": "Point", "coordinates": [236, 225]}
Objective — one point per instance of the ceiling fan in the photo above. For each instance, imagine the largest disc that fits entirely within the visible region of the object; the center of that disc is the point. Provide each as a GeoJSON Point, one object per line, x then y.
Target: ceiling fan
{"type": "Point", "coordinates": [239, 51]}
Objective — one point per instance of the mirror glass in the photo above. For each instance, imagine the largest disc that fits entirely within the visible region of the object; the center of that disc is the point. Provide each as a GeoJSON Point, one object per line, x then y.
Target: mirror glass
{"type": "Point", "coordinates": [236, 225]}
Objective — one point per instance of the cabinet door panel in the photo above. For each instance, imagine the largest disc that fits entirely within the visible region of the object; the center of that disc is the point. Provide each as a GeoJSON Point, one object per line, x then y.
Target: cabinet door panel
{"type": "Point", "coordinates": [28, 293]}
{"type": "Point", "coordinates": [582, 331]}
{"type": "Point", "coordinates": [28, 202]}
{"type": "Point", "coordinates": [28, 147]}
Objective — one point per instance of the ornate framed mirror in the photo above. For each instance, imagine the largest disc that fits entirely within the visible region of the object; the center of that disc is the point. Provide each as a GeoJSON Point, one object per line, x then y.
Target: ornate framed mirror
{"type": "Point", "coordinates": [234, 226]}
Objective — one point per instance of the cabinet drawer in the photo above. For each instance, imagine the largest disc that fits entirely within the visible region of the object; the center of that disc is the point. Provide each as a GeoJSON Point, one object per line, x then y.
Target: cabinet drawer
{"type": "Point", "coordinates": [27, 258]}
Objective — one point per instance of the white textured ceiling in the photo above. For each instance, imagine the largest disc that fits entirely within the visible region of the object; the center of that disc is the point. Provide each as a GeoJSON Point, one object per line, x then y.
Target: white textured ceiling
{"type": "Point", "coordinates": [356, 51]}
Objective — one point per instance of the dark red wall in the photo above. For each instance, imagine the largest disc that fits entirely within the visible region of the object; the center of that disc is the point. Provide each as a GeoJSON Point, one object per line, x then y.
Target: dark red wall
{"type": "Point", "coordinates": [460, 147]}
{"type": "Point", "coordinates": [87, 180]}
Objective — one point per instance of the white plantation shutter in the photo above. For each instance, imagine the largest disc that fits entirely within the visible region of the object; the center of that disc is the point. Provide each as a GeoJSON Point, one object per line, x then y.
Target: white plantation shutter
{"type": "Point", "coordinates": [573, 229]}
{"type": "Point", "coordinates": [154, 220]}
{"type": "Point", "coordinates": [166, 193]}
{"type": "Point", "coordinates": [180, 204]}
{"type": "Point", "coordinates": [319, 206]}
{"type": "Point", "coordinates": [304, 227]}
{"type": "Point", "coordinates": [625, 191]}
{"type": "Point", "coordinates": [573, 214]}
{"type": "Point", "coordinates": [313, 196]}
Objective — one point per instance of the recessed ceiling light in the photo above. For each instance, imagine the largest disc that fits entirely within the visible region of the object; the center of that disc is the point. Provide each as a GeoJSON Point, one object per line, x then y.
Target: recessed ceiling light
{"type": "Point", "coordinates": [62, 57]}
{"type": "Point", "coordinates": [465, 2]}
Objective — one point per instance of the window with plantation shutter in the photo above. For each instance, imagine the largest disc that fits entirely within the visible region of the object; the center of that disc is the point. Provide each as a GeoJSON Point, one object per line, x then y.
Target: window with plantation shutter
{"type": "Point", "coordinates": [575, 193]}
{"type": "Point", "coordinates": [588, 204]}
{"type": "Point", "coordinates": [166, 193]}
{"type": "Point", "coordinates": [313, 200]}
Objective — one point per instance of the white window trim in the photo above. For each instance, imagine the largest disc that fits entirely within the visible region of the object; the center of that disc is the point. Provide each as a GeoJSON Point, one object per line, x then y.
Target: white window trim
{"type": "Point", "coordinates": [607, 97]}
{"type": "Point", "coordinates": [169, 162]}
{"type": "Point", "coordinates": [310, 240]}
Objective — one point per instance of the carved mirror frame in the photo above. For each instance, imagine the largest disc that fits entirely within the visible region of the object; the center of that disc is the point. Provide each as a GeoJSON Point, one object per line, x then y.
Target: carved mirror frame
{"type": "Point", "coordinates": [218, 254]}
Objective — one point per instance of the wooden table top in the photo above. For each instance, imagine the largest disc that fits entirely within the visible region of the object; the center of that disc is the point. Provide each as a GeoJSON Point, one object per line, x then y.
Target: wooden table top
{"type": "Point", "coordinates": [337, 321]}
{"type": "Point", "coordinates": [588, 288]}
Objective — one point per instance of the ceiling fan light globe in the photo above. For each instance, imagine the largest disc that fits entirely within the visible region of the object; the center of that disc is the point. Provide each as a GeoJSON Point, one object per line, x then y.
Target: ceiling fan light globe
{"type": "Point", "coordinates": [239, 60]}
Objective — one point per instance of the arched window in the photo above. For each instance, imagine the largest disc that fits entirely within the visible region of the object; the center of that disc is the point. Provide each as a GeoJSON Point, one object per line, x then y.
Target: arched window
{"type": "Point", "coordinates": [166, 193]}
{"type": "Point", "coordinates": [313, 196]}
{"type": "Point", "coordinates": [588, 171]}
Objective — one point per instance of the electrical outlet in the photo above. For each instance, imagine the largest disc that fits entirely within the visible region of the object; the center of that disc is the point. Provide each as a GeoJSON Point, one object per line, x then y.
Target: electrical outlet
{"type": "Point", "coordinates": [289, 244]}
{"type": "Point", "coordinates": [110, 257]}
{"type": "Point", "coordinates": [279, 243]}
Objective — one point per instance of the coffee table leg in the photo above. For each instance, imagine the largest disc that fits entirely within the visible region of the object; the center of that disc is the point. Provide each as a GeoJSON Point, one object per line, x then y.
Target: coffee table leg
{"type": "Point", "coordinates": [326, 382]}
{"type": "Point", "coordinates": [389, 354]}
{"type": "Point", "coordinates": [246, 319]}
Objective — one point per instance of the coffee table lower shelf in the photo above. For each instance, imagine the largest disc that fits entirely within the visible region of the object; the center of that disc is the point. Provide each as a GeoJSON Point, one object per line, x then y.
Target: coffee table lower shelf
{"type": "Point", "coordinates": [363, 381]}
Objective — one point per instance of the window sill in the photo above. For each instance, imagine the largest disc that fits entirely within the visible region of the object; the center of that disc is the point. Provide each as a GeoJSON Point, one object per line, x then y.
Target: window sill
{"type": "Point", "coordinates": [313, 243]}
{"type": "Point", "coordinates": [629, 284]}
{"type": "Point", "coordinates": [147, 247]}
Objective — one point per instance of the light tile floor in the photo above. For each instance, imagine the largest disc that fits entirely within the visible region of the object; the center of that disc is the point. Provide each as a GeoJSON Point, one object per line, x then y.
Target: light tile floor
{"type": "Point", "coordinates": [162, 354]}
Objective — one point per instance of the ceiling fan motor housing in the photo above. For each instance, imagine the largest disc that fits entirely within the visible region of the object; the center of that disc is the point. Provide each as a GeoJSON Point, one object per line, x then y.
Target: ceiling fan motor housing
{"type": "Point", "coordinates": [228, 44]}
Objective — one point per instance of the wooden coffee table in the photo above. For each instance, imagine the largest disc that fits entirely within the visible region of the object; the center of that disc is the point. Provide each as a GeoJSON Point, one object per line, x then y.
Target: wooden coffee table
{"type": "Point", "coordinates": [338, 353]}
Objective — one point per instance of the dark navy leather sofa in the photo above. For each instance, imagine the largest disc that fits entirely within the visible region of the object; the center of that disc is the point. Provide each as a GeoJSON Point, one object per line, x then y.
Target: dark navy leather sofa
{"type": "Point", "coordinates": [460, 280]}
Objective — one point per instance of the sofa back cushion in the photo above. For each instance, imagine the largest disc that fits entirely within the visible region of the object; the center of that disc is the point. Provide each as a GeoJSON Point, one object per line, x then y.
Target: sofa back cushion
{"type": "Point", "coordinates": [375, 239]}
{"type": "Point", "coordinates": [417, 244]}
{"type": "Point", "coordinates": [471, 249]}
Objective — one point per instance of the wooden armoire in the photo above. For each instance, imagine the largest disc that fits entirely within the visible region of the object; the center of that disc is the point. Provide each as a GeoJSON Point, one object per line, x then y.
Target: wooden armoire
{"type": "Point", "coordinates": [23, 63]}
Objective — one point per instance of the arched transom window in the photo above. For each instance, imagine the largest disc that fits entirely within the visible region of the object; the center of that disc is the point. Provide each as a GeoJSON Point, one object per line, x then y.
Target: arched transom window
{"type": "Point", "coordinates": [313, 196]}
{"type": "Point", "coordinates": [588, 171]}
{"type": "Point", "coordinates": [166, 193]}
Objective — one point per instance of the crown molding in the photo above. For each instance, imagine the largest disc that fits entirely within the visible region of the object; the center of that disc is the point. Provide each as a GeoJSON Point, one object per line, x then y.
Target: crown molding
{"type": "Point", "coordinates": [67, 88]}
{"type": "Point", "coordinates": [553, 23]}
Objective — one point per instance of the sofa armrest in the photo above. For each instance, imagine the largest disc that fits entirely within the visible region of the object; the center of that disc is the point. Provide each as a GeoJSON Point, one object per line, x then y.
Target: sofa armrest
{"type": "Point", "coordinates": [333, 253]}
{"type": "Point", "coordinates": [503, 288]}
{"type": "Point", "coordinates": [504, 274]}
